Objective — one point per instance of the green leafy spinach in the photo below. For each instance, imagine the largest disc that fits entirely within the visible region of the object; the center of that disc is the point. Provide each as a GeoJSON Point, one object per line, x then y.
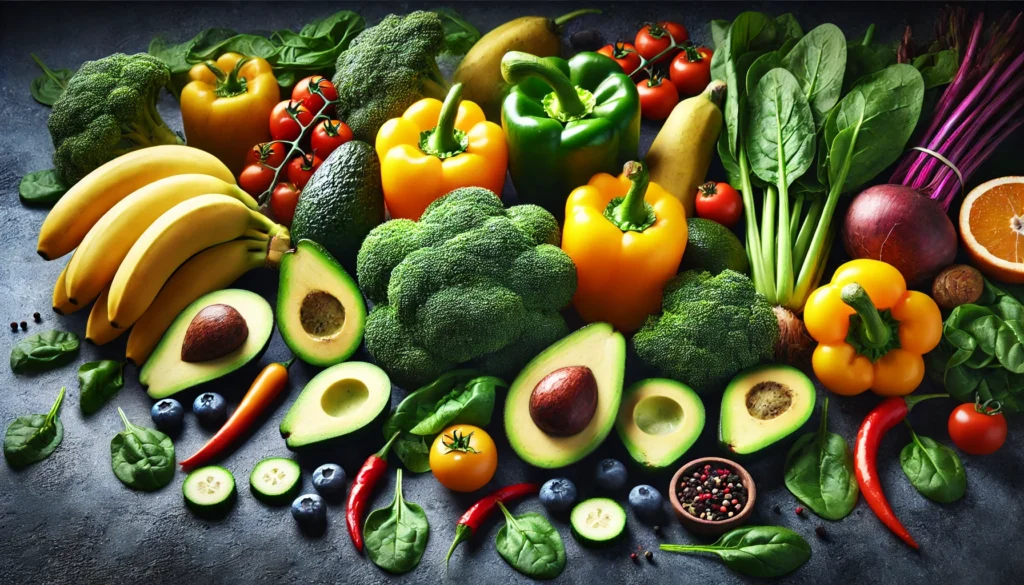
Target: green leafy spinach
{"type": "Point", "coordinates": [933, 469]}
{"type": "Point", "coordinates": [818, 61]}
{"type": "Point", "coordinates": [34, 437]}
{"type": "Point", "coordinates": [531, 545]}
{"type": "Point", "coordinates": [98, 382]}
{"type": "Point", "coordinates": [41, 188]}
{"type": "Point", "coordinates": [819, 472]}
{"type": "Point", "coordinates": [51, 84]}
{"type": "Point", "coordinates": [757, 551]}
{"type": "Point", "coordinates": [142, 458]}
{"type": "Point", "coordinates": [396, 536]}
{"type": "Point", "coordinates": [43, 351]}
{"type": "Point", "coordinates": [459, 35]}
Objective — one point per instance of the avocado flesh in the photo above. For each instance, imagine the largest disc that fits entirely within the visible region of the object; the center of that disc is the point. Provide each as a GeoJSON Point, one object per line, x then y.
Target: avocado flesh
{"type": "Point", "coordinates": [597, 346]}
{"type": "Point", "coordinates": [320, 311]}
{"type": "Point", "coordinates": [339, 401]}
{"type": "Point", "coordinates": [164, 373]}
{"type": "Point", "coordinates": [659, 420]}
{"type": "Point", "coordinates": [763, 405]}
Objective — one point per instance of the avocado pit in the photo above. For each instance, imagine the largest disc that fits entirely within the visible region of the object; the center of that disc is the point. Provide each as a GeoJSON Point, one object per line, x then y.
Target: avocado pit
{"type": "Point", "coordinates": [321, 314]}
{"type": "Point", "coordinates": [767, 400]}
{"type": "Point", "coordinates": [563, 403]}
{"type": "Point", "coordinates": [214, 332]}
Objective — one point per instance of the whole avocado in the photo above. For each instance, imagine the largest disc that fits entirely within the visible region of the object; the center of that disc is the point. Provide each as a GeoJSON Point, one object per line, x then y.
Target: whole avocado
{"type": "Point", "coordinates": [713, 247]}
{"type": "Point", "coordinates": [342, 202]}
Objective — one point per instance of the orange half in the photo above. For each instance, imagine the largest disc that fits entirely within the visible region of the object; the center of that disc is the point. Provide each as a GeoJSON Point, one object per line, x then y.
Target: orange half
{"type": "Point", "coordinates": [992, 228]}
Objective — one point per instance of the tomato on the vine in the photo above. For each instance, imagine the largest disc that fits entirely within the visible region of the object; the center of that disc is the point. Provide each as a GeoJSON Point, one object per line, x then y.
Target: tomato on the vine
{"type": "Point", "coordinates": [328, 136]}
{"type": "Point", "coordinates": [270, 154]}
{"type": "Point", "coordinates": [624, 54]}
{"type": "Point", "coordinates": [654, 38]}
{"type": "Point", "coordinates": [255, 179]}
{"type": "Point", "coordinates": [282, 202]}
{"type": "Point", "coordinates": [719, 202]}
{"type": "Point", "coordinates": [690, 71]}
{"type": "Point", "coordinates": [285, 119]}
{"type": "Point", "coordinates": [463, 458]}
{"type": "Point", "coordinates": [657, 97]}
{"type": "Point", "coordinates": [313, 102]}
{"type": "Point", "coordinates": [978, 429]}
{"type": "Point", "coordinates": [301, 168]}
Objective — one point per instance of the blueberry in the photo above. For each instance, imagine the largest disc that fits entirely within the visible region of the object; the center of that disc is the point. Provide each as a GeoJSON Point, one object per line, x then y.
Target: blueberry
{"type": "Point", "coordinates": [611, 474]}
{"type": "Point", "coordinates": [167, 414]}
{"type": "Point", "coordinates": [329, 479]}
{"type": "Point", "coordinates": [558, 495]}
{"type": "Point", "coordinates": [646, 502]}
{"type": "Point", "coordinates": [309, 511]}
{"type": "Point", "coordinates": [210, 408]}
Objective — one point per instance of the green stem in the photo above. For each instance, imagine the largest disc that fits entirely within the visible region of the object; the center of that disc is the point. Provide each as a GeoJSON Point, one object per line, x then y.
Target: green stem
{"type": "Point", "coordinates": [912, 401]}
{"type": "Point", "coordinates": [815, 253]}
{"type": "Point", "coordinates": [517, 66]}
{"type": "Point", "coordinates": [632, 213]}
{"type": "Point", "coordinates": [874, 332]}
{"type": "Point", "coordinates": [783, 244]}
{"type": "Point", "coordinates": [287, 364]}
{"type": "Point", "coordinates": [383, 453]}
{"type": "Point", "coordinates": [794, 220]}
{"type": "Point", "coordinates": [56, 406]}
{"type": "Point", "coordinates": [442, 138]}
{"type": "Point", "coordinates": [771, 197]}
{"type": "Point", "coordinates": [228, 85]}
{"type": "Point", "coordinates": [124, 418]}
{"type": "Point", "coordinates": [561, 20]}
{"type": "Point", "coordinates": [868, 35]}
{"type": "Point", "coordinates": [750, 211]}
{"type": "Point", "coordinates": [803, 239]}
{"type": "Point", "coordinates": [47, 72]}
{"type": "Point", "coordinates": [823, 428]}
{"type": "Point", "coordinates": [688, 548]}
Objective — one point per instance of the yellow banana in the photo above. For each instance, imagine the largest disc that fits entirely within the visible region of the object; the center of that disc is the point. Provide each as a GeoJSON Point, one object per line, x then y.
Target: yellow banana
{"type": "Point", "coordinates": [86, 202]}
{"type": "Point", "coordinates": [96, 260]}
{"type": "Point", "coordinates": [184, 230]}
{"type": "Point", "coordinates": [212, 269]}
{"type": "Point", "coordinates": [97, 328]}
{"type": "Point", "coordinates": [61, 304]}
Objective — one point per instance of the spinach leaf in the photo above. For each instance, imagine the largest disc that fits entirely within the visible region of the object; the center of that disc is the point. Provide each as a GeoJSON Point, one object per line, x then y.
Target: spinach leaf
{"type": "Point", "coordinates": [531, 545]}
{"type": "Point", "coordinates": [819, 472]}
{"type": "Point", "coordinates": [99, 382]}
{"type": "Point", "coordinates": [780, 138]}
{"type": "Point", "coordinates": [719, 32]}
{"type": "Point", "coordinates": [818, 61]}
{"type": "Point", "coordinates": [459, 35]}
{"type": "Point", "coordinates": [43, 351]}
{"type": "Point", "coordinates": [34, 437]}
{"type": "Point", "coordinates": [864, 57]}
{"type": "Point", "coordinates": [143, 459]}
{"type": "Point", "coordinates": [41, 188]}
{"type": "Point", "coordinates": [51, 84]}
{"type": "Point", "coordinates": [938, 67]}
{"type": "Point", "coordinates": [339, 28]}
{"type": "Point", "coordinates": [396, 536]}
{"type": "Point", "coordinates": [757, 551]}
{"type": "Point", "coordinates": [933, 469]}
{"type": "Point", "coordinates": [173, 55]}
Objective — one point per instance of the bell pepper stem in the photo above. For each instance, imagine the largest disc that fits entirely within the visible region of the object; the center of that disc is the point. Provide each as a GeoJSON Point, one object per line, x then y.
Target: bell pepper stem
{"type": "Point", "coordinates": [632, 213]}
{"type": "Point", "coordinates": [875, 332]}
{"type": "Point", "coordinates": [561, 20]}
{"type": "Point", "coordinates": [442, 138]}
{"type": "Point", "coordinates": [517, 66]}
{"type": "Point", "coordinates": [228, 84]}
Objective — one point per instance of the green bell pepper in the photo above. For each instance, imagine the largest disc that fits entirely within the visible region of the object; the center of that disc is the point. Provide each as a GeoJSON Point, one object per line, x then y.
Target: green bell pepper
{"type": "Point", "coordinates": [566, 121]}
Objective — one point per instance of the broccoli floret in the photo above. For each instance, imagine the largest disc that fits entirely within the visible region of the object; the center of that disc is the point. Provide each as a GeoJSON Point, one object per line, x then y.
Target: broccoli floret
{"type": "Point", "coordinates": [108, 109]}
{"type": "Point", "coordinates": [710, 328]}
{"type": "Point", "coordinates": [387, 68]}
{"type": "Point", "coordinates": [469, 283]}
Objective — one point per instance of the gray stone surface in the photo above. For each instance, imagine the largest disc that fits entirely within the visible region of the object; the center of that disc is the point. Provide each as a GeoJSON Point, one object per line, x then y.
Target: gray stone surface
{"type": "Point", "coordinates": [68, 520]}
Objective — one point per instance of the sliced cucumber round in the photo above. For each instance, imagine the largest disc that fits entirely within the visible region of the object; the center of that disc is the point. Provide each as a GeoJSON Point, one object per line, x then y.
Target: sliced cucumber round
{"type": "Point", "coordinates": [597, 522]}
{"type": "Point", "coordinates": [276, 480]}
{"type": "Point", "coordinates": [209, 490]}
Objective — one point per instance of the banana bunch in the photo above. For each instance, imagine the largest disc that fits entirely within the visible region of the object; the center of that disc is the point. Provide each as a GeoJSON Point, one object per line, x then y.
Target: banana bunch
{"type": "Point", "coordinates": [152, 231]}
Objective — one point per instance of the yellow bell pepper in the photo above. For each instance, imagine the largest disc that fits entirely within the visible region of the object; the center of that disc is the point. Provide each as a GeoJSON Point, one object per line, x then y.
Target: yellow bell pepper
{"type": "Point", "coordinates": [435, 148]}
{"type": "Point", "coordinates": [626, 236]}
{"type": "Point", "coordinates": [871, 331]}
{"type": "Point", "coordinates": [226, 106]}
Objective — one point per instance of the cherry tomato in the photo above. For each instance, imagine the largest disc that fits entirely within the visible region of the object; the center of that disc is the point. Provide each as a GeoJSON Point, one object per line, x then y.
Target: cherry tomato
{"type": "Point", "coordinates": [690, 71]}
{"type": "Point", "coordinates": [654, 38]}
{"type": "Point", "coordinates": [978, 429]}
{"type": "Point", "coordinates": [328, 136]}
{"type": "Point", "coordinates": [657, 97]}
{"type": "Point", "coordinates": [285, 119]}
{"type": "Point", "coordinates": [719, 202]}
{"type": "Point", "coordinates": [255, 179]}
{"type": "Point", "coordinates": [301, 168]}
{"type": "Point", "coordinates": [271, 154]}
{"type": "Point", "coordinates": [463, 458]}
{"type": "Point", "coordinates": [624, 54]}
{"type": "Point", "coordinates": [303, 93]}
{"type": "Point", "coordinates": [282, 202]}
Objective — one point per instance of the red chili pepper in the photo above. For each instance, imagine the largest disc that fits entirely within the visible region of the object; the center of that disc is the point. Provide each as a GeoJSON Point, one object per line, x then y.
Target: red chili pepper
{"type": "Point", "coordinates": [265, 388]}
{"type": "Point", "coordinates": [876, 424]}
{"type": "Point", "coordinates": [479, 511]}
{"type": "Point", "coordinates": [362, 488]}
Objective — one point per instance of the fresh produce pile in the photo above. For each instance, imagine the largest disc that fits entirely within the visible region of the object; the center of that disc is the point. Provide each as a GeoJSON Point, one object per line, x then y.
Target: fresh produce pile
{"type": "Point", "coordinates": [374, 188]}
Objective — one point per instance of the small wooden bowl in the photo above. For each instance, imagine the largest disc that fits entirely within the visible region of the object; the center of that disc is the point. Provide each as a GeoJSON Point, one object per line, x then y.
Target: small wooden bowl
{"type": "Point", "coordinates": [710, 527]}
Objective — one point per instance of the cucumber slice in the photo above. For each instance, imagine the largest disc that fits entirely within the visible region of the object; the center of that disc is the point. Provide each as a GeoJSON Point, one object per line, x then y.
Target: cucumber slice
{"type": "Point", "coordinates": [209, 490]}
{"type": "Point", "coordinates": [275, 480]}
{"type": "Point", "coordinates": [597, 522]}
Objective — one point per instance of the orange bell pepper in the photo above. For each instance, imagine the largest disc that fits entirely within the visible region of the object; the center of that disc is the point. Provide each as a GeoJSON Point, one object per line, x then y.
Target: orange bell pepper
{"type": "Point", "coordinates": [435, 148]}
{"type": "Point", "coordinates": [626, 236]}
{"type": "Point", "coordinates": [871, 331]}
{"type": "Point", "coordinates": [226, 106]}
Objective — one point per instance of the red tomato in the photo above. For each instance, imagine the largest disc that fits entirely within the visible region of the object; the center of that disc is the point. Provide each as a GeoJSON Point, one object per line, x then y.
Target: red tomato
{"type": "Point", "coordinates": [328, 136]}
{"type": "Point", "coordinates": [657, 98]}
{"type": "Point", "coordinates": [271, 154]}
{"type": "Point", "coordinates": [282, 202]}
{"type": "Point", "coordinates": [255, 179]}
{"type": "Point", "coordinates": [303, 93]}
{"type": "Point", "coordinates": [719, 202]}
{"type": "Point", "coordinates": [624, 54]}
{"type": "Point", "coordinates": [301, 168]}
{"type": "Point", "coordinates": [654, 38]}
{"type": "Point", "coordinates": [690, 71]}
{"type": "Point", "coordinates": [977, 429]}
{"type": "Point", "coordinates": [285, 120]}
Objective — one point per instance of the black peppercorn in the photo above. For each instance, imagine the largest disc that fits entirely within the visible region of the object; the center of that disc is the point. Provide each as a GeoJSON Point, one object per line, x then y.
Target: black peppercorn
{"type": "Point", "coordinates": [820, 531]}
{"type": "Point", "coordinates": [37, 317]}
{"type": "Point", "coordinates": [24, 326]}
{"type": "Point", "coordinates": [14, 326]}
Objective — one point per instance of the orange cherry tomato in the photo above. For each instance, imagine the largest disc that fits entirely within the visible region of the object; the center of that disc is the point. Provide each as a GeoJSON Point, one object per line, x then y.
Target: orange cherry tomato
{"type": "Point", "coordinates": [463, 458]}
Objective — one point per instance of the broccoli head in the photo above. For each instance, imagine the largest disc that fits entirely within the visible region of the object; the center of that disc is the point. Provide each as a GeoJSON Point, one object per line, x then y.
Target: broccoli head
{"type": "Point", "coordinates": [387, 68]}
{"type": "Point", "coordinates": [108, 109]}
{"type": "Point", "coordinates": [710, 328]}
{"type": "Point", "coordinates": [469, 283]}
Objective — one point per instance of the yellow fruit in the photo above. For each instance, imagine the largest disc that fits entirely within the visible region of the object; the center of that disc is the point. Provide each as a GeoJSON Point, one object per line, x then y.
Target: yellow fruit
{"type": "Point", "coordinates": [992, 228]}
{"type": "Point", "coordinates": [98, 329]}
{"type": "Point", "coordinates": [61, 304]}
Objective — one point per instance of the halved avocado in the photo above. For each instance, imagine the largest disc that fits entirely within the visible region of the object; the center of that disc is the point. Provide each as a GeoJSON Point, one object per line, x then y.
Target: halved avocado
{"type": "Point", "coordinates": [597, 347]}
{"type": "Point", "coordinates": [165, 373]}
{"type": "Point", "coordinates": [320, 311]}
{"type": "Point", "coordinates": [659, 420]}
{"type": "Point", "coordinates": [337, 402]}
{"type": "Point", "coordinates": [763, 405]}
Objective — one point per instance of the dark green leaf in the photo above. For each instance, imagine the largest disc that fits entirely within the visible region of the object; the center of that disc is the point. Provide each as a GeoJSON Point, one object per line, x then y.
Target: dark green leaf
{"type": "Point", "coordinates": [396, 536]}
{"type": "Point", "coordinates": [99, 382]}
{"type": "Point", "coordinates": [719, 32]}
{"type": "Point", "coordinates": [204, 45]}
{"type": "Point", "coordinates": [459, 35]}
{"type": "Point", "coordinates": [757, 551]}
{"type": "Point", "coordinates": [818, 61]}
{"type": "Point", "coordinates": [43, 351]}
{"type": "Point", "coordinates": [142, 458]}
{"type": "Point", "coordinates": [174, 56]}
{"type": "Point", "coordinates": [41, 188]}
{"type": "Point", "coordinates": [819, 472]}
{"type": "Point", "coordinates": [933, 469]}
{"type": "Point", "coordinates": [531, 545]}
{"type": "Point", "coordinates": [339, 28]}
{"type": "Point", "coordinates": [249, 45]}
{"type": "Point", "coordinates": [34, 437]}
{"type": "Point", "coordinates": [938, 68]}
{"type": "Point", "coordinates": [51, 84]}
{"type": "Point", "coordinates": [780, 135]}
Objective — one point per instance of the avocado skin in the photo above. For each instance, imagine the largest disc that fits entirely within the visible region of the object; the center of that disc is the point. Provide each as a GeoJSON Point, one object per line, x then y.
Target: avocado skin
{"type": "Point", "coordinates": [713, 247]}
{"type": "Point", "coordinates": [342, 202]}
